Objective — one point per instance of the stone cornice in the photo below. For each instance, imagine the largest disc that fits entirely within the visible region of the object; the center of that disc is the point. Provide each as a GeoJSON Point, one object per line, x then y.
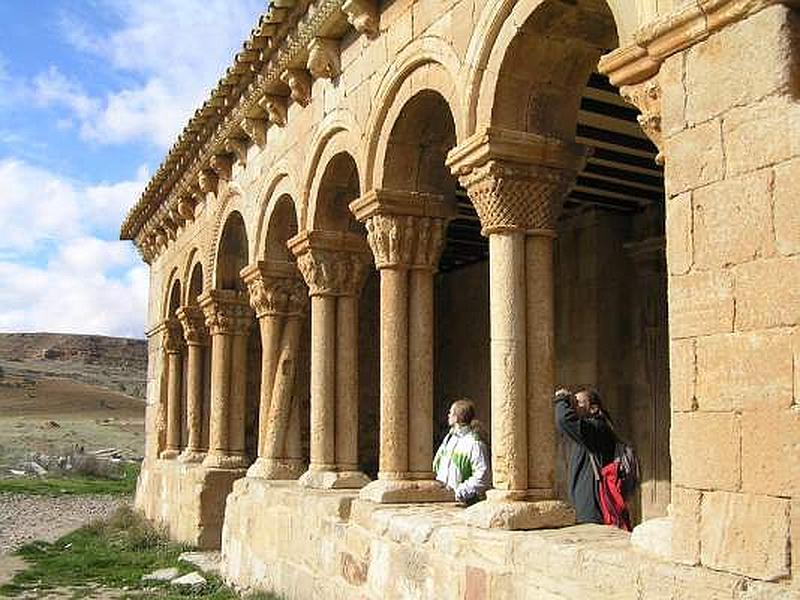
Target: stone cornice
{"type": "Point", "coordinates": [681, 29]}
{"type": "Point", "coordinates": [279, 42]}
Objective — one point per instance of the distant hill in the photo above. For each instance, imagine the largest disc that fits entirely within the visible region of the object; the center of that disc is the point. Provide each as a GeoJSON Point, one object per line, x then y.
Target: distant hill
{"type": "Point", "coordinates": [115, 364]}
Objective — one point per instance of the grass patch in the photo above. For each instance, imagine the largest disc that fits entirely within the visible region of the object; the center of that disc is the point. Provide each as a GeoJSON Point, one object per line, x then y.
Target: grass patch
{"type": "Point", "coordinates": [74, 485]}
{"type": "Point", "coordinates": [114, 554]}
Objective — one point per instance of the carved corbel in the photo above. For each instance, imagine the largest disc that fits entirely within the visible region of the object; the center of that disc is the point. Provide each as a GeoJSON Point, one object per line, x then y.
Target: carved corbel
{"type": "Point", "coordinates": [646, 96]}
{"type": "Point", "coordinates": [299, 82]}
{"type": "Point", "coordinates": [363, 16]}
{"type": "Point", "coordinates": [208, 181]}
{"type": "Point", "coordinates": [222, 164]}
{"type": "Point", "coordinates": [276, 108]}
{"type": "Point", "coordinates": [160, 238]}
{"type": "Point", "coordinates": [323, 58]}
{"type": "Point", "coordinates": [256, 130]}
{"type": "Point", "coordinates": [186, 207]}
{"type": "Point", "coordinates": [237, 147]}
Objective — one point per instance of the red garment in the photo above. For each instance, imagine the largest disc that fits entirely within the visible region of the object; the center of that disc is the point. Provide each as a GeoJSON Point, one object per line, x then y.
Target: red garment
{"type": "Point", "coordinates": [612, 502]}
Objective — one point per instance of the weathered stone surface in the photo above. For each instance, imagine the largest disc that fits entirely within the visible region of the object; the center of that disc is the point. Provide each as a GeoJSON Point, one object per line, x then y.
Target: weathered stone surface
{"type": "Point", "coordinates": [732, 221]}
{"type": "Point", "coordinates": [700, 303]}
{"type": "Point", "coordinates": [402, 491]}
{"type": "Point", "coordinates": [763, 298]}
{"type": "Point", "coordinates": [694, 158]}
{"type": "Point", "coordinates": [654, 537]}
{"type": "Point", "coordinates": [744, 533]}
{"type": "Point", "coordinates": [520, 515]}
{"type": "Point", "coordinates": [680, 234]}
{"type": "Point", "coordinates": [193, 580]}
{"type": "Point", "coordinates": [715, 438]}
{"type": "Point", "coordinates": [728, 69]}
{"type": "Point", "coordinates": [682, 374]}
{"type": "Point", "coordinates": [751, 371]}
{"type": "Point", "coordinates": [686, 525]}
{"type": "Point", "coordinates": [207, 562]}
{"type": "Point", "coordinates": [166, 574]}
{"type": "Point", "coordinates": [769, 441]}
{"type": "Point", "coordinates": [673, 96]}
{"type": "Point", "coordinates": [787, 207]}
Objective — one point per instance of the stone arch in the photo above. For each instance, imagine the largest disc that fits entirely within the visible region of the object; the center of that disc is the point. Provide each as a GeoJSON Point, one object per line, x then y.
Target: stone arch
{"type": "Point", "coordinates": [559, 45]}
{"type": "Point", "coordinates": [227, 203]}
{"type": "Point", "coordinates": [172, 294]}
{"type": "Point", "coordinates": [232, 254]}
{"type": "Point", "coordinates": [279, 181]}
{"type": "Point", "coordinates": [338, 185]}
{"type": "Point", "coordinates": [281, 225]}
{"type": "Point", "coordinates": [426, 64]}
{"type": "Point", "coordinates": [194, 265]}
{"type": "Point", "coordinates": [334, 140]}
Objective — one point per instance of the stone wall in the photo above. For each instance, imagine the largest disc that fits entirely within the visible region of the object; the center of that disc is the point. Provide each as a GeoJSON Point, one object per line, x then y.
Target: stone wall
{"type": "Point", "coordinates": [731, 124]}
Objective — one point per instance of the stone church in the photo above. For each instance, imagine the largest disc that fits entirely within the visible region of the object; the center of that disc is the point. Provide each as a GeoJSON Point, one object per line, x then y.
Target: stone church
{"type": "Point", "coordinates": [384, 206]}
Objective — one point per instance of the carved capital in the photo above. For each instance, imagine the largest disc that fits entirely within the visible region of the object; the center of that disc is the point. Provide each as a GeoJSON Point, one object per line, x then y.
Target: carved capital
{"type": "Point", "coordinates": [517, 181]}
{"type": "Point", "coordinates": [646, 96]}
{"type": "Point", "coordinates": [401, 241]}
{"type": "Point", "coordinates": [333, 273]}
{"type": "Point", "coordinates": [276, 289]}
{"type": "Point", "coordinates": [193, 322]}
{"type": "Point", "coordinates": [226, 312]}
{"type": "Point", "coordinates": [324, 61]}
{"type": "Point", "coordinates": [299, 82]}
{"type": "Point", "coordinates": [172, 339]}
{"type": "Point", "coordinates": [208, 181]}
{"type": "Point", "coordinates": [256, 130]}
{"type": "Point", "coordinates": [363, 16]}
{"type": "Point", "coordinates": [237, 147]}
{"type": "Point", "coordinates": [276, 108]}
{"type": "Point", "coordinates": [222, 164]}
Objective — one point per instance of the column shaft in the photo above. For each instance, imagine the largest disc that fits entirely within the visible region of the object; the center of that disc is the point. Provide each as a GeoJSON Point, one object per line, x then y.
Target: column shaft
{"type": "Point", "coordinates": [238, 394]}
{"type": "Point", "coordinates": [270, 327]}
{"type": "Point", "coordinates": [219, 425]}
{"type": "Point", "coordinates": [541, 364]}
{"type": "Point", "coordinates": [283, 391]}
{"type": "Point", "coordinates": [194, 397]}
{"type": "Point", "coordinates": [420, 339]}
{"type": "Point", "coordinates": [394, 374]}
{"type": "Point", "coordinates": [323, 382]}
{"type": "Point", "coordinates": [347, 383]}
{"type": "Point", "coordinates": [174, 381]}
{"type": "Point", "coordinates": [508, 361]}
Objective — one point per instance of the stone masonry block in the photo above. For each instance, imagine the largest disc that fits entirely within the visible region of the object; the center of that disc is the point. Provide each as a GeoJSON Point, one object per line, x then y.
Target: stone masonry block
{"type": "Point", "coordinates": [739, 64]}
{"type": "Point", "coordinates": [694, 158]}
{"type": "Point", "coordinates": [749, 134]}
{"type": "Point", "coordinates": [679, 234]}
{"type": "Point", "coordinates": [700, 303]}
{"type": "Point", "coordinates": [770, 447]}
{"type": "Point", "coordinates": [733, 221]}
{"type": "Point", "coordinates": [673, 96]}
{"type": "Point", "coordinates": [746, 534]}
{"type": "Point", "coordinates": [750, 371]}
{"type": "Point", "coordinates": [682, 374]}
{"type": "Point", "coordinates": [795, 535]}
{"type": "Point", "coordinates": [685, 505]}
{"type": "Point", "coordinates": [705, 450]}
{"type": "Point", "coordinates": [766, 295]}
{"type": "Point", "coordinates": [787, 207]}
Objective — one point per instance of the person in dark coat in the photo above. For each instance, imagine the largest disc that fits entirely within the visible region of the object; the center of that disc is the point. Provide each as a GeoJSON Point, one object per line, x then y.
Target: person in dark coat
{"type": "Point", "coordinates": [584, 422]}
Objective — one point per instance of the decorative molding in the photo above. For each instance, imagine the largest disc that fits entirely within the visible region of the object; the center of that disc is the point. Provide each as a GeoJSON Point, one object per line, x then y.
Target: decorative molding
{"type": "Point", "coordinates": [299, 82]}
{"type": "Point", "coordinates": [363, 15]}
{"type": "Point", "coordinates": [324, 61]}
{"type": "Point", "coordinates": [646, 96]}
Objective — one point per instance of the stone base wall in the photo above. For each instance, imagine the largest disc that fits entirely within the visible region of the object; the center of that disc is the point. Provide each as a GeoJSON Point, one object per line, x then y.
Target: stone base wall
{"type": "Point", "coordinates": [188, 499]}
{"type": "Point", "coordinates": [328, 544]}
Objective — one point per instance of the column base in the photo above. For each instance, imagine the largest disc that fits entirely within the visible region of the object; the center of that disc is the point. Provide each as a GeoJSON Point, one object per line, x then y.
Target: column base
{"type": "Point", "coordinates": [402, 491]}
{"type": "Point", "coordinates": [192, 456]}
{"type": "Point", "coordinates": [277, 468]}
{"type": "Point", "coordinates": [225, 461]}
{"type": "Point", "coordinates": [333, 480]}
{"type": "Point", "coordinates": [510, 510]}
{"type": "Point", "coordinates": [169, 454]}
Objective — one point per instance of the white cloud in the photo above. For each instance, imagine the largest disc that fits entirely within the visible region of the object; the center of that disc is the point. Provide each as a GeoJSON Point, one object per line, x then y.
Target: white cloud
{"type": "Point", "coordinates": [53, 87]}
{"type": "Point", "coordinates": [88, 284]}
{"type": "Point", "coordinates": [177, 52]}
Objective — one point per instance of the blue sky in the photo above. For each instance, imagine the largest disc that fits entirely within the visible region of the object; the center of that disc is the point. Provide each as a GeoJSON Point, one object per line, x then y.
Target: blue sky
{"type": "Point", "coordinates": [92, 95]}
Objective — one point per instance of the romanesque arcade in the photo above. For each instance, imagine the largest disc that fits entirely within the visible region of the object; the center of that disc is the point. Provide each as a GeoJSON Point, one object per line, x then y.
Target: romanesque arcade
{"type": "Point", "coordinates": [385, 206]}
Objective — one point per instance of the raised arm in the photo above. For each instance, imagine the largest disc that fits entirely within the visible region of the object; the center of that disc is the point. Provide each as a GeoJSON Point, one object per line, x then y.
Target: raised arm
{"type": "Point", "coordinates": [567, 420]}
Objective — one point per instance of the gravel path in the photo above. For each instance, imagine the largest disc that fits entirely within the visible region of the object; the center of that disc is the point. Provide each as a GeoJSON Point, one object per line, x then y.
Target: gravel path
{"type": "Point", "coordinates": [26, 518]}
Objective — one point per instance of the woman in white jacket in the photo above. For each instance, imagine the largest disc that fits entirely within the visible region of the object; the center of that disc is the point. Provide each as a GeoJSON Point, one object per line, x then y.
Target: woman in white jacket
{"type": "Point", "coordinates": [462, 461]}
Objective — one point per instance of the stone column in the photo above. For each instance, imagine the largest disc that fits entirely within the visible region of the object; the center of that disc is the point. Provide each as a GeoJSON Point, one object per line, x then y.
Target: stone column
{"type": "Point", "coordinates": [280, 299]}
{"type": "Point", "coordinates": [334, 265]}
{"type": "Point", "coordinates": [228, 318]}
{"type": "Point", "coordinates": [173, 344]}
{"type": "Point", "coordinates": [194, 331]}
{"type": "Point", "coordinates": [517, 182]}
{"type": "Point", "coordinates": [406, 235]}
{"type": "Point", "coordinates": [156, 411]}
